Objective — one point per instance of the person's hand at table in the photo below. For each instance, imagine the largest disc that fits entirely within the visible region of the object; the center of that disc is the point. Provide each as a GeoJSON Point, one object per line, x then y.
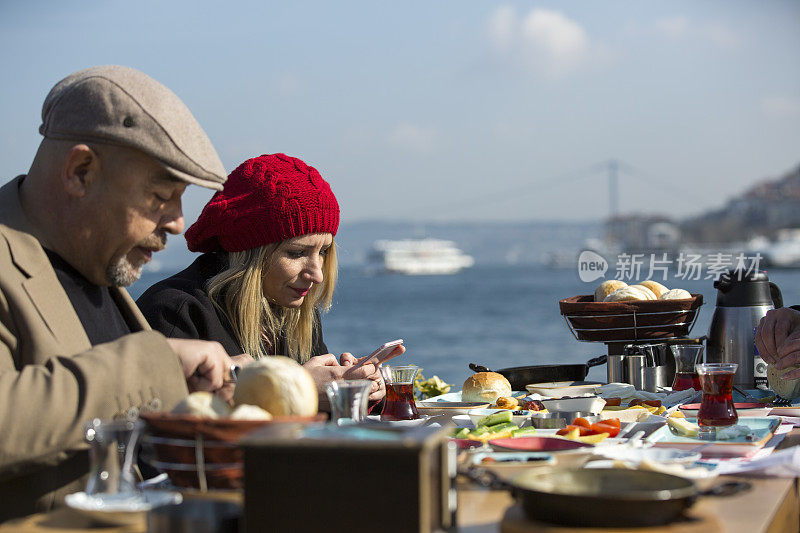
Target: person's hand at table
{"type": "Point", "coordinates": [205, 364]}
{"type": "Point", "coordinates": [370, 371]}
{"type": "Point", "coordinates": [227, 390]}
{"type": "Point", "coordinates": [789, 356]}
{"type": "Point", "coordinates": [777, 337]}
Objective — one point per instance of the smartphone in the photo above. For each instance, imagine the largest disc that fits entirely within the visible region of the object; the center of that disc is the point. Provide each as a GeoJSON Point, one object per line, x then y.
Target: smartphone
{"type": "Point", "coordinates": [381, 354]}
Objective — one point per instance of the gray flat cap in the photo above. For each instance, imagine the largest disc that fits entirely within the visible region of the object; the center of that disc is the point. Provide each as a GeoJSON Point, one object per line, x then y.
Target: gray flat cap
{"type": "Point", "coordinates": [122, 106]}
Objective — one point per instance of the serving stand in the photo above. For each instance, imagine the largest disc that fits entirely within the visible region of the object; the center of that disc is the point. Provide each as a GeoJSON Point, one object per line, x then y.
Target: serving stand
{"type": "Point", "coordinates": [641, 322]}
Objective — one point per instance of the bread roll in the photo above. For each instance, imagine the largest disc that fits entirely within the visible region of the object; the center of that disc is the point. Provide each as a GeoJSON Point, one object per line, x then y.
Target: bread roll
{"type": "Point", "coordinates": [657, 288]}
{"type": "Point", "coordinates": [485, 387]}
{"type": "Point", "coordinates": [676, 294]}
{"type": "Point", "coordinates": [627, 294]}
{"type": "Point", "coordinates": [606, 288]}
{"type": "Point", "coordinates": [278, 385]}
{"type": "Point", "coordinates": [787, 389]}
{"type": "Point", "coordinates": [650, 294]}
{"type": "Point", "coordinates": [250, 412]}
{"type": "Point", "coordinates": [202, 404]}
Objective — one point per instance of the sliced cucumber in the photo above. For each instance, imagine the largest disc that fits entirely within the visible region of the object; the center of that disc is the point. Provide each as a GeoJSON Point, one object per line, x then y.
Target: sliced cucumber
{"type": "Point", "coordinates": [496, 418]}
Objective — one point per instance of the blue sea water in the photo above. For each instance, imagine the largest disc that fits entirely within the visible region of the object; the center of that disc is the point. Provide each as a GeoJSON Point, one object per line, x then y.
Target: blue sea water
{"type": "Point", "coordinates": [495, 315]}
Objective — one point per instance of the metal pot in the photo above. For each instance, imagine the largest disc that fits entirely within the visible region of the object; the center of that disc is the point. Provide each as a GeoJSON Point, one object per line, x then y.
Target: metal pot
{"type": "Point", "coordinates": [519, 376]}
{"type": "Point", "coordinates": [603, 497]}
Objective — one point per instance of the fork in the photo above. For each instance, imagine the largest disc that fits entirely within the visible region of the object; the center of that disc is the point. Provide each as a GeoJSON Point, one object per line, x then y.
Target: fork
{"type": "Point", "coordinates": [781, 402]}
{"type": "Point", "coordinates": [750, 397]}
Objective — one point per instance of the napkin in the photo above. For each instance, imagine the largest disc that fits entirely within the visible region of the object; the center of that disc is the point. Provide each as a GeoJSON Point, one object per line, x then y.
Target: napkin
{"type": "Point", "coordinates": [781, 463]}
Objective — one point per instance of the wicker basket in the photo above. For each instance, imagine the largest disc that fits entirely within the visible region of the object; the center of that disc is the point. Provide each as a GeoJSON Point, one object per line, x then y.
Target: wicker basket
{"type": "Point", "coordinates": [202, 452]}
{"type": "Point", "coordinates": [631, 321]}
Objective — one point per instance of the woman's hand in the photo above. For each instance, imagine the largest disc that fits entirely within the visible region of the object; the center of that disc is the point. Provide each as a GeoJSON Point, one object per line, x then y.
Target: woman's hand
{"type": "Point", "coordinates": [325, 368]}
{"type": "Point", "coordinates": [371, 371]}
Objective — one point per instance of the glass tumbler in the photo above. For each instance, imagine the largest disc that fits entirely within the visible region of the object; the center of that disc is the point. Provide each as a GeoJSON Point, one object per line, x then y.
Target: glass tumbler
{"type": "Point", "coordinates": [399, 403]}
{"type": "Point", "coordinates": [686, 357]}
{"type": "Point", "coordinates": [112, 453]}
{"type": "Point", "coordinates": [349, 399]}
{"type": "Point", "coordinates": [716, 408]}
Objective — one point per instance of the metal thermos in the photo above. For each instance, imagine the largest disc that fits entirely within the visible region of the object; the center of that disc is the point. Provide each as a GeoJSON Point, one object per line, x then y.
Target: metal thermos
{"type": "Point", "coordinates": [743, 298]}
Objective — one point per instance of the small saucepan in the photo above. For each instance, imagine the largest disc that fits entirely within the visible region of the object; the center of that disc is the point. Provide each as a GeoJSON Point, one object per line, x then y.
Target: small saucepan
{"type": "Point", "coordinates": [603, 497]}
{"type": "Point", "coordinates": [519, 376]}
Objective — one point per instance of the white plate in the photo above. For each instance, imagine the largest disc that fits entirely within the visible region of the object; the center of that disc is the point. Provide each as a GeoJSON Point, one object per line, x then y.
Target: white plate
{"type": "Point", "coordinates": [463, 421]}
{"type": "Point", "coordinates": [656, 455]}
{"type": "Point", "coordinates": [592, 404]}
{"type": "Point", "coordinates": [118, 510]}
{"type": "Point", "coordinates": [456, 397]}
{"type": "Point", "coordinates": [448, 408]}
{"type": "Point", "coordinates": [556, 389]}
{"type": "Point", "coordinates": [401, 423]}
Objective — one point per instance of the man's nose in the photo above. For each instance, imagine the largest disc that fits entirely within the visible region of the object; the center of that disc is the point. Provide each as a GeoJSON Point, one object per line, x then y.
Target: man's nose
{"type": "Point", "coordinates": [173, 221]}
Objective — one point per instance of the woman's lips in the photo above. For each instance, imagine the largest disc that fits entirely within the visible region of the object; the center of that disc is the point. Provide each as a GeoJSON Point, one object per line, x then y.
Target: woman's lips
{"type": "Point", "coordinates": [300, 292]}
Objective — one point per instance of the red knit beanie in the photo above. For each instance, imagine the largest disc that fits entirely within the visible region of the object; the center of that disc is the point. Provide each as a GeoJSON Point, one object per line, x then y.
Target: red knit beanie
{"type": "Point", "coordinates": [266, 199]}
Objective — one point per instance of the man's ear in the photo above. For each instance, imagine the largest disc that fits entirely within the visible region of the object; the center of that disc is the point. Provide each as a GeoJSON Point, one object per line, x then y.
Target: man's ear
{"type": "Point", "coordinates": [80, 169]}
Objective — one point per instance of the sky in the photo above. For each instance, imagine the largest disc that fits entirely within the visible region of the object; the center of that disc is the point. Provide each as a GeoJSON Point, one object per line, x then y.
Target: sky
{"type": "Point", "coordinates": [450, 110]}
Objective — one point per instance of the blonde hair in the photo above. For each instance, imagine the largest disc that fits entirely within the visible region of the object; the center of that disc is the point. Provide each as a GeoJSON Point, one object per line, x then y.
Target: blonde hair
{"type": "Point", "coordinates": [238, 292]}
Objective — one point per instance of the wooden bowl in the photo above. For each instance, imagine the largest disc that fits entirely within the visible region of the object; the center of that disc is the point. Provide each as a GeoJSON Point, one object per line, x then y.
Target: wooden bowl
{"type": "Point", "coordinates": [629, 321]}
{"type": "Point", "coordinates": [202, 452]}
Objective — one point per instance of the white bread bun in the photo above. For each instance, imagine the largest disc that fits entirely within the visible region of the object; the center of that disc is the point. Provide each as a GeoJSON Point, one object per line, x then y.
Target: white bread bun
{"type": "Point", "coordinates": [278, 385]}
{"type": "Point", "coordinates": [676, 294]}
{"type": "Point", "coordinates": [627, 294]}
{"type": "Point", "coordinates": [606, 288]}
{"type": "Point", "coordinates": [650, 294]}
{"type": "Point", "coordinates": [250, 412]}
{"type": "Point", "coordinates": [787, 389]}
{"type": "Point", "coordinates": [485, 387]}
{"type": "Point", "coordinates": [203, 404]}
{"type": "Point", "coordinates": [657, 288]}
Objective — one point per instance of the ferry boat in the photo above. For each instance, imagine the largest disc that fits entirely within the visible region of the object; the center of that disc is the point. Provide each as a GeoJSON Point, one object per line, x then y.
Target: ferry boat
{"type": "Point", "coordinates": [419, 257]}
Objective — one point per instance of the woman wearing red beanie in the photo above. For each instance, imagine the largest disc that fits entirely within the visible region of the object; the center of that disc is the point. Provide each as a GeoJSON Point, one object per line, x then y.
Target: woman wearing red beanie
{"type": "Point", "coordinates": [267, 271]}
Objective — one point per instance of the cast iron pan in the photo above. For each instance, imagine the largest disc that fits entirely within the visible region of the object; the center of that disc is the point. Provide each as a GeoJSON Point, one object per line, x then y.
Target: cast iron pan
{"type": "Point", "coordinates": [519, 376]}
{"type": "Point", "coordinates": [603, 497]}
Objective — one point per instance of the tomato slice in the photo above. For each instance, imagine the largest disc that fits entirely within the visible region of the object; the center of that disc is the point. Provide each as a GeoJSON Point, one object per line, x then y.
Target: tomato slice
{"type": "Point", "coordinates": [611, 422]}
{"type": "Point", "coordinates": [601, 427]}
{"type": "Point", "coordinates": [613, 402]}
{"type": "Point", "coordinates": [581, 422]}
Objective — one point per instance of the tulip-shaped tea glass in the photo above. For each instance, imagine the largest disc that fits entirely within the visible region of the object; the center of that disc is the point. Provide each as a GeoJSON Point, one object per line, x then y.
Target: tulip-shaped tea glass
{"type": "Point", "coordinates": [113, 454]}
{"type": "Point", "coordinates": [399, 393]}
{"type": "Point", "coordinates": [686, 357]}
{"type": "Point", "coordinates": [349, 399]}
{"type": "Point", "coordinates": [716, 408]}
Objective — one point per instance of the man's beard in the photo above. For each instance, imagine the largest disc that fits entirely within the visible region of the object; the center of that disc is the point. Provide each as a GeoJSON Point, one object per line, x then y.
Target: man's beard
{"type": "Point", "coordinates": [123, 273]}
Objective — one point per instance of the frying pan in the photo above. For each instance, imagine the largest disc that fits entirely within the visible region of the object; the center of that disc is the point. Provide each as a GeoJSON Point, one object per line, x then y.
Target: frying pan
{"type": "Point", "coordinates": [603, 497]}
{"type": "Point", "coordinates": [519, 376]}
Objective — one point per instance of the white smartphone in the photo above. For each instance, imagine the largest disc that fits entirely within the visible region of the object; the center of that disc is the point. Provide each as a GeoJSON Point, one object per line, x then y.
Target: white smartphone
{"type": "Point", "coordinates": [381, 354]}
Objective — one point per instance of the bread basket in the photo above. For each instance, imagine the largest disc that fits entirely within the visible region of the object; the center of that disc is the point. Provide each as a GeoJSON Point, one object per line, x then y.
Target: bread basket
{"type": "Point", "coordinates": [629, 321]}
{"type": "Point", "coordinates": [199, 452]}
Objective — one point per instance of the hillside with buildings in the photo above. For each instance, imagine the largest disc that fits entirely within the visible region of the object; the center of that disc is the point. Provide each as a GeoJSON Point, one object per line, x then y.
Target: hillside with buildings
{"type": "Point", "coordinates": [763, 210]}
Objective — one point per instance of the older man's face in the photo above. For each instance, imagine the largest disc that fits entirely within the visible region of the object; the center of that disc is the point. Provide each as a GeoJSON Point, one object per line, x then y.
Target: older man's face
{"type": "Point", "coordinates": [135, 203]}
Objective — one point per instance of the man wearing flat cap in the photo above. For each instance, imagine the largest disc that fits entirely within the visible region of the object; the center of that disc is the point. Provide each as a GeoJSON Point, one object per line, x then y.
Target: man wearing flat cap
{"type": "Point", "coordinates": [103, 192]}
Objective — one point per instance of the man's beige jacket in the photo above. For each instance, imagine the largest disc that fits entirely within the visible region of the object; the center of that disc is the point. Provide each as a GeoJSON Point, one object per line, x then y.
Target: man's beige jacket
{"type": "Point", "coordinates": [52, 381]}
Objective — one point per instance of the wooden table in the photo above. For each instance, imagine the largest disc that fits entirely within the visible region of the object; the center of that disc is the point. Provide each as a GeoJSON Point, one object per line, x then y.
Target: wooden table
{"type": "Point", "coordinates": [772, 505]}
